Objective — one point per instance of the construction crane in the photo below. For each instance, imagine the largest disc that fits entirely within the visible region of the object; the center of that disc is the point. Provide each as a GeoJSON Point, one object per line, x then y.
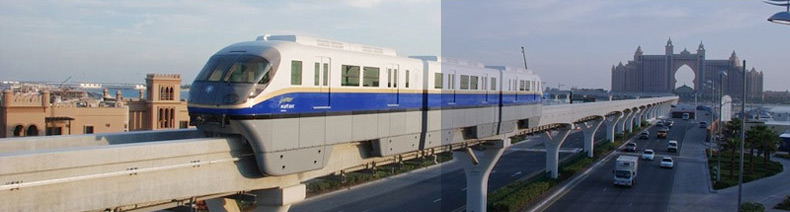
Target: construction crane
{"type": "Point", "coordinates": [64, 82]}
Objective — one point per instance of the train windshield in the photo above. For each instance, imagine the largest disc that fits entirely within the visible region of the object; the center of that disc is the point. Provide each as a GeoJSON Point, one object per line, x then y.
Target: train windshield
{"type": "Point", "coordinates": [236, 69]}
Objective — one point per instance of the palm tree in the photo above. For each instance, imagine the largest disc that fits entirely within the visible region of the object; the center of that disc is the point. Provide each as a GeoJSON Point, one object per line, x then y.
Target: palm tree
{"type": "Point", "coordinates": [769, 142]}
{"type": "Point", "coordinates": [753, 141]}
{"type": "Point", "coordinates": [732, 144]}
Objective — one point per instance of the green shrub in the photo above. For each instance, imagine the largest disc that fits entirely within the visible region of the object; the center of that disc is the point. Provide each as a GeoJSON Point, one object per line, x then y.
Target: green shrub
{"type": "Point", "coordinates": [752, 207]}
{"type": "Point", "coordinates": [784, 205]}
{"type": "Point", "coordinates": [785, 155]}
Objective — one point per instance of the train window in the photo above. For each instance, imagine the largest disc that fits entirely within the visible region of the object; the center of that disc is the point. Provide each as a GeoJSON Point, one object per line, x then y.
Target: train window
{"type": "Point", "coordinates": [407, 78]}
{"type": "Point", "coordinates": [464, 82]}
{"type": "Point", "coordinates": [473, 81]}
{"type": "Point", "coordinates": [493, 83]}
{"type": "Point", "coordinates": [349, 75]}
{"type": "Point", "coordinates": [521, 85]}
{"type": "Point", "coordinates": [326, 74]}
{"type": "Point", "coordinates": [437, 80]}
{"type": "Point", "coordinates": [389, 77]}
{"type": "Point", "coordinates": [483, 82]}
{"type": "Point", "coordinates": [529, 85]}
{"type": "Point", "coordinates": [370, 77]}
{"type": "Point", "coordinates": [317, 73]}
{"type": "Point", "coordinates": [248, 69]}
{"type": "Point", "coordinates": [296, 72]}
{"type": "Point", "coordinates": [395, 78]}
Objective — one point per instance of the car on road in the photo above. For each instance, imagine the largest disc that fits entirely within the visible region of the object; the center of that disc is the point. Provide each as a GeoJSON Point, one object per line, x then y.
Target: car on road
{"type": "Point", "coordinates": [662, 133]}
{"type": "Point", "coordinates": [648, 154]}
{"type": "Point", "coordinates": [669, 123]}
{"type": "Point", "coordinates": [630, 146]}
{"type": "Point", "coordinates": [703, 124]}
{"type": "Point", "coordinates": [644, 135]}
{"type": "Point", "coordinates": [667, 162]}
{"type": "Point", "coordinates": [672, 146]}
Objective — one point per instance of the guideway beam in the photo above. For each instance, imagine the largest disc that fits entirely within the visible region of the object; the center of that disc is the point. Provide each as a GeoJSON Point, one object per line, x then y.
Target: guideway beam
{"type": "Point", "coordinates": [553, 142]}
{"type": "Point", "coordinates": [477, 167]}
{"type": "Point", "coordinates": [589, 128]}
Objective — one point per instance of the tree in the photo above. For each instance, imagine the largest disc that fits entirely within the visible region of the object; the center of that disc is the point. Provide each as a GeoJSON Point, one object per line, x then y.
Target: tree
{"type": "Point", "coordinates": [768, 141]}
{"type": "Point", "coordinates": [732, 144]}
{"type": "Point", "coordinates": [753, 141]}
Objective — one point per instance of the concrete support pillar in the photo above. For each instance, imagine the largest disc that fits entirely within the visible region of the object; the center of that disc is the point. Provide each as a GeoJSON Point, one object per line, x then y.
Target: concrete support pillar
{"type": "Point", "coordinates": [589, 128]}
{"type": "Point", "coordinates": [638, 118]}
{"type": "Point", "coordinates": [222, 204]}
{"type": "Point", "coordinates": [477, 167]}
{"type": "Point", "coordinates": [623, 126]}
{"type": "Point", "coordinates": [611, 123]}
{"type": "Point", "coordinates": [553, 143]}
{"type": "Point", "coordinates": [629, 124]}
{"type": "Point", "coordinates": [279, 199]}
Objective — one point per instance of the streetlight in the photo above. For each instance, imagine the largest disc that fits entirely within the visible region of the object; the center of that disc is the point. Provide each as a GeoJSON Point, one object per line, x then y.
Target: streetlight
{"type": "Point", "coordinates": [722, 74]}
{"type": "Point", "coordinates": [743, 137]}
{"type": "Point", "coordinates": [780, 17]}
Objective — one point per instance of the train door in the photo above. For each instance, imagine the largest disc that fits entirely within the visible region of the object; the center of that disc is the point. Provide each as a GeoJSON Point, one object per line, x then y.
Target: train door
{"type": "Point", "coordinates": [392, 85]}
{"type": "Point", "coordinates": [321, 78]}
{"type": "Point", "coordinates": [485, 86]}
{"type": "Point", "coordinates": [451, 86]}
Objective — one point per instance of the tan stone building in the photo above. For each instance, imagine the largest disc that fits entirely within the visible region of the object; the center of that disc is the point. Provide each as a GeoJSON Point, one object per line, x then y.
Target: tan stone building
{"type": "Point", "coordinates": [33, 114]}
{"type": "Point", "coordinates": [162, 107]}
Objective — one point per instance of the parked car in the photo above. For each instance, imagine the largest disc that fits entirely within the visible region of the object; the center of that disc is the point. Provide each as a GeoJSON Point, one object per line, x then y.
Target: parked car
{"type": "Point", "coordinates": [631, 147]}
{"type": "Point", "coordinates": [703, 124]}
{"type": "Point", "coordinates": [669, 123]}
{"type": "Point", "coordinates": [644, 135]}
{"type": "Point", "coordinates": [667, 162]}
{"type": "Point", "coordinates": [672, 146]}
{"type": "Point", "coordinates": [648, 154]}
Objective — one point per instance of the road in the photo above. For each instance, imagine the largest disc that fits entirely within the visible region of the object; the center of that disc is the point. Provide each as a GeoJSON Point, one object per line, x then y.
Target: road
{"type": "Point", "coordinates": [438, 189]}
{"type": "Point", "coordinates": [653, 186]}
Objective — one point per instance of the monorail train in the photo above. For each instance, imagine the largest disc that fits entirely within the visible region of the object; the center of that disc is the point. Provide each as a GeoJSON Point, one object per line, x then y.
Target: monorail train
{"type": "Point", "coordinates": [293, 97]}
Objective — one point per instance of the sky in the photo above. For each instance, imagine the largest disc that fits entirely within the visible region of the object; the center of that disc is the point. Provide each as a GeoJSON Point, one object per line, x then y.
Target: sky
{"type": "Point", "coordinates": [571, 42]}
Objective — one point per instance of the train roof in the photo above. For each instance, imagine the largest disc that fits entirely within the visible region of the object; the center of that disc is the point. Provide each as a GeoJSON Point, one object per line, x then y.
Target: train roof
{"type": "Point", "coordinates": [510, 69]}
{"type": "Point", "coordinates": [329, 44]}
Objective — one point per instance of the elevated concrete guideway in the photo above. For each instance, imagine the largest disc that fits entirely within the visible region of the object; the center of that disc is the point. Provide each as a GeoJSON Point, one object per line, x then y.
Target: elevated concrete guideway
{"type": "Point", "coordinates": [165, 169]}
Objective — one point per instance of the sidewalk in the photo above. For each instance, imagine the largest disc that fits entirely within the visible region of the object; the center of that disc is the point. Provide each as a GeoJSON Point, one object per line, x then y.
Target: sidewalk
{"type": "Point", "coordinates": [768, 191]}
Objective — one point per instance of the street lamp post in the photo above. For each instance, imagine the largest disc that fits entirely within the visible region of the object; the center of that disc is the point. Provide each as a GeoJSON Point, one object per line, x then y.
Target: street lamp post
{"type": "Point", "coordinates": [780, 17]}
{"type": "Point", "coordinates": [722, 74]}
{"type": "Point", "coordinates": [743, 138]}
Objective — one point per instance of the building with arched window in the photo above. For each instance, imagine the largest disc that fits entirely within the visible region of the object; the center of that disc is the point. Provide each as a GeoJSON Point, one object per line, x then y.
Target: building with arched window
{"type": "Point", "coordinates": [161, 107]}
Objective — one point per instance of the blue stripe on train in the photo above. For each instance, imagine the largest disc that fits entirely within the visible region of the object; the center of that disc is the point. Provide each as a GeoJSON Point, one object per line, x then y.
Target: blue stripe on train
{"type": "Point", "coordinates": [295, 103]}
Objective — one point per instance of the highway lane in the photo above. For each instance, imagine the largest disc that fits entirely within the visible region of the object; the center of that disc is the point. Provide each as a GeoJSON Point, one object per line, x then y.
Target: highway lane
{"type": "Point", "coordinates": [442, 189]}
{"type": "Point", "coordinates": [652, 188]}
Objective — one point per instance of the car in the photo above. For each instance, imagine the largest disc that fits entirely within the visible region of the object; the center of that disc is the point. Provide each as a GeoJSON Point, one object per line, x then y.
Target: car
{"type": "Point", "coordinates": [662, 133]}
{"type": "Point", "coordinates": [630, 146]}
{"type": "Point", "coordinates": [667, 162]}
{"type": "Point", "coordinates": [644, 135]}
{"type": "Point", "coordinates": [669, 123]}
{"type": "Point", "coordinates": [672, 146]}
{"type": "Point", "coordinates": [648, 154]}
{"type": "Point", "coordinates": [685, 116]}
{"type": "Point", "coordinates": [703, 124]}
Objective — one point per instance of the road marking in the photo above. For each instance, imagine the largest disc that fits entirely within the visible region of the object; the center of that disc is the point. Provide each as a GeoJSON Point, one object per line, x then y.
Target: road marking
{"type": "Point", "coordinates": [463, 189]}
{"type": "Point", "coordinates": [494, 171]}
{"type": "Point", "coordinates": [437, 200]}
{"type": "Point", "coordinates": [604, 189]}
{"type": "Point", "coordinates": [462, 208]}
{"type": "Point", "coordinates": [515, 174]}
{"type": "Point", "coordinates": [630, 204]}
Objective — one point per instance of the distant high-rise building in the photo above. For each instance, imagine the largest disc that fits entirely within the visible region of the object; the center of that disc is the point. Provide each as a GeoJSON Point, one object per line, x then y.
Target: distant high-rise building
{"type": "Point", "coordinates": [656, 74]}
